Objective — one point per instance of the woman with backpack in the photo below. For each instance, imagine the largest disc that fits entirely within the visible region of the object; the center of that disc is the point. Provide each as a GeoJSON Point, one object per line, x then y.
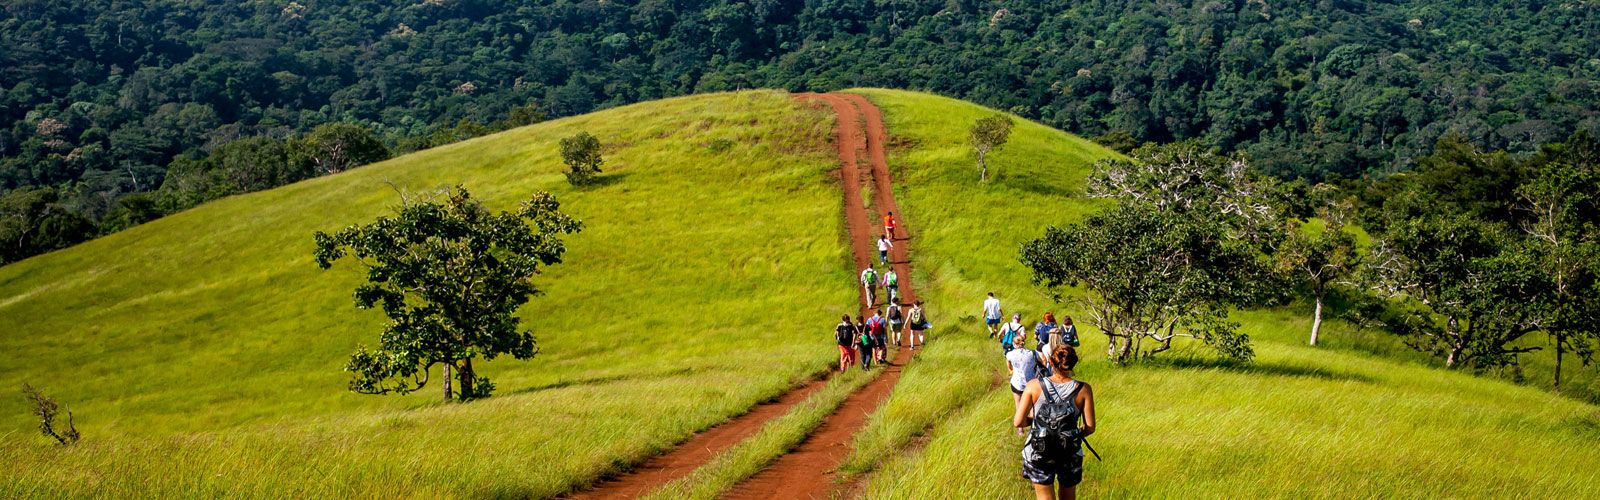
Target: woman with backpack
{"type": "Point", "coordinates": [1046, 326]}
{"type": "Point", "coordinates": [918, 321]}
{"type": "Point", "coordinates": [1010, 332]}
{"type": "Point", "coordinates": [844, 334]}
{"type": "Point", "coordinates": [897, 321]}
{"type": "Point", "coordinates": [1052, 406]}
{"type": "Point", "coordinates": [1024, 366]}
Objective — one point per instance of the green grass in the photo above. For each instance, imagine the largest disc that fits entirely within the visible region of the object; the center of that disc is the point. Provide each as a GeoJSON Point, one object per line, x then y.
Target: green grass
{"type": "Point", "coordinates": [201, 352]}
{"type": "Point", "coordinates": [1359, 416]}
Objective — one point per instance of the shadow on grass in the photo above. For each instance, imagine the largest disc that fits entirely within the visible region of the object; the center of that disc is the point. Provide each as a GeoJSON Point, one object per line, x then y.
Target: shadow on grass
{"type": "Point", "coordinates": [604, 180]}
{"type": "Point", "coordinates": [1270, 369]}
{"type": "Point", "coordinates": [605, 379]}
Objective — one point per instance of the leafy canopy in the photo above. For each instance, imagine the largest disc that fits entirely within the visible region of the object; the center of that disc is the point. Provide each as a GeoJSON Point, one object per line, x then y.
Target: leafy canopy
{"type": "Point", "coordinates": [450, 277]}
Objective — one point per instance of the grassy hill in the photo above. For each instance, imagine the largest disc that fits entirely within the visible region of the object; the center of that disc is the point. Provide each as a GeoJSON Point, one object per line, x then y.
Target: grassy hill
{"type": "Point", "coordinates": [1333, 421]}
{"type": "Point", "coordinates": [202, 352]}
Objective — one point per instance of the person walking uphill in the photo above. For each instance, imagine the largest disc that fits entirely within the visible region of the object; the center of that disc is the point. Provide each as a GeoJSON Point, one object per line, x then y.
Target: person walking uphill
{"type": "Point", "coordinates": [1012, 334]}
{"type": "Point", "coordinates": [1053, 406]}
{"type": "Point", "coordinates": [889, 225]}
{"type": "Point", "coordinates": [844, 334]}
{"type": "Point", "coordinates": [878, 329]}
{"type": "Point", "coordinates": [991, 314]}
{"type": "Point", "coordinates": [897, 320]}
{"type": "Point", "coordinates": [883, 249]}
{"type": "Point", "coordinates": [864, 343]}
{"type": "Point", "coordinates": [917, 320]}
{"type": "Point", "coordinates": [891, 286]}
{"type": "Point", "coordinates": [869, 281]}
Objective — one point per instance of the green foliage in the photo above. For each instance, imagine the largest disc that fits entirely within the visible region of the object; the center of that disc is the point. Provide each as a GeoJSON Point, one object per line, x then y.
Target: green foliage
{"type": "Point", "coordinates": [33, 221]}
{"type": "Point", "coordinates": [335, 147]}
{"type": "Point", "coordinates": [581, 153]}
{"type": "Point", "coordinates": [1317, 259]}
{"type": "Point", "coordinates": [450, 277]}
{"type": "Point", "coordinates": [989, 133]}
{"type": "Point", "coordinates": [1151, 276]}
{"type": "Point", "coordinates": [1187, 178]}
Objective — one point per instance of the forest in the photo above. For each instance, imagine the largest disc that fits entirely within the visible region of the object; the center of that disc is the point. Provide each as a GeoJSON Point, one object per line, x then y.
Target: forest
{"type": "Point", "coordinates": [117, 112]}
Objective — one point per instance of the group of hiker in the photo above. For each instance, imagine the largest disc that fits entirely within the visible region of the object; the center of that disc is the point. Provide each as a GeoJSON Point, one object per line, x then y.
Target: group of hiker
{"type": "Point", "coordinates": [1050, 403]}
{"type": "Point", "coordinates": [866, 340]}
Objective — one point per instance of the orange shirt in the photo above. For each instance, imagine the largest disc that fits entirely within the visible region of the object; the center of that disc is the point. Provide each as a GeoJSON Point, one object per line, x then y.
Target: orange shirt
{"type": "Point", "coordinates": [888, 221]}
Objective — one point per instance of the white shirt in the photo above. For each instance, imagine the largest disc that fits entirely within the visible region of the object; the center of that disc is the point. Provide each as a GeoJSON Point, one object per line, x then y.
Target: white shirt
{"type": "Point", "coordinates": [991, 308]}
{"type": "Point", "coordinates": [883, 245]}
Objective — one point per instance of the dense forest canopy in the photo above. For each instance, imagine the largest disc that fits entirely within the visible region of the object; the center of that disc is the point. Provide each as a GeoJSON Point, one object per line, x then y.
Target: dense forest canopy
{"type": "Point", "coordinates": [100, 97]}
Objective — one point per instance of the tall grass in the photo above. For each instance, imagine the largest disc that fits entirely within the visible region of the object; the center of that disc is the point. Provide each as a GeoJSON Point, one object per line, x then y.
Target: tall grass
{"type": "Point", "coordinates": [1359, 416]}
{"type": "Point", "coordinates": [201, 352]}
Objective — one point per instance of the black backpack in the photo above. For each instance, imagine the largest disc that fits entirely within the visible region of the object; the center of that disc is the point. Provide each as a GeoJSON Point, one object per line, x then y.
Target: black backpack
{"type": "Point", "coordinates": [1055, 423]}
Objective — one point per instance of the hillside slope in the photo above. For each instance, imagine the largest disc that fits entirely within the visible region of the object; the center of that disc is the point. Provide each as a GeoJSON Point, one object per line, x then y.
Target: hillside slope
{"type": "Point", "coordinates": [1333, 421]}
{"type": "Point", "coordinates": [201, 353]}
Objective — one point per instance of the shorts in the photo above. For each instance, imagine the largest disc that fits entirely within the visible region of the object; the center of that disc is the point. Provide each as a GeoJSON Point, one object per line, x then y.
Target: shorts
{"type": "Point", "coordinates": [895, 324]}
{"type": "Point", "coordinates": [1041, 470]}
{"type": "Point", "coordinates": [991, 321]}
{"type": "Point", "coordinates": [846, 352]}
{"type": "Point", "coordinates": [1015, 390]}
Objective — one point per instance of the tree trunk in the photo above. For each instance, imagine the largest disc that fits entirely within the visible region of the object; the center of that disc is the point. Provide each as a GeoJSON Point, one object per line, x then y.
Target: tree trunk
{"type": "Point", "coordinates": [1316, 319]}
{"type": "Point", "coordinates": [1455, 354]}
{"type": "Point", "coordinates": [983, 166]}
{"type": "Point", "coordinates": [1559, 349]}
{"type": "Point", "coordinates": [447, 365]}
{"type": "Point", "coordinates": [466, 378]}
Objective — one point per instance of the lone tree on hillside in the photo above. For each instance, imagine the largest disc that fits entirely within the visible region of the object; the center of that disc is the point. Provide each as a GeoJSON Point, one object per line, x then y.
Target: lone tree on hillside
{"type": "Point", "coordinates": [1151, 276]}
{"type": "Point", "coordinates": [1318, 259]}
{"type": "Point", "coordinates": [987, 134]}
{"type": "Point", "coordinates": [48, 410]}
{"type": "Point", "coordinates": [450, 277]}
{"type": "Point", "coordinates": [581, 153]}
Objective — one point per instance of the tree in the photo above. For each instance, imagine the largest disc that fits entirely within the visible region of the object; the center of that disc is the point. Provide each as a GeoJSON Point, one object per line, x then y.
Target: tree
{"type": "Point", "coordinates": [1561, 206]}
{"type": "Point", "coordinates": [32, 221]}
{"type": "Point", "coordinates": [1151, 276]}
{"type": "Point", "coordinates": [987, 134]}
{"type": "Point", "coordinates": [581, 153]}
{"type": "Point", "coordinates": [450, 277]}
{"type": "Point", "coordinates": [47, 409]}
{"type": "Point", "coordinates": [1318, 259]}
{"type": "Point", "coordinates": [1467, 289]}
{"type": "Point", "coordinates": [1187, 178]}
{"type": "Point", "coordinates": [336, 147]}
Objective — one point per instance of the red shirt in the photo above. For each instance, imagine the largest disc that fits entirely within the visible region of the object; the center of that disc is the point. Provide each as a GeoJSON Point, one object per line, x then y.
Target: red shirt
{"type": "Point", "coordinates": [888, 221]}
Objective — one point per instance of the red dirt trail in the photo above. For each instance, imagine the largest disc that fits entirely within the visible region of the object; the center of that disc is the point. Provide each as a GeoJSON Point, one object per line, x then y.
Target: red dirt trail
{"type": "Point", "coordinates": [807, 471]}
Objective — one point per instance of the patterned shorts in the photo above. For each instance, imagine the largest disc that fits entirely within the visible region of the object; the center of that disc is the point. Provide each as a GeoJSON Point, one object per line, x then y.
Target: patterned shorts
{"type": "Point", "coordinates": [1039, 469]}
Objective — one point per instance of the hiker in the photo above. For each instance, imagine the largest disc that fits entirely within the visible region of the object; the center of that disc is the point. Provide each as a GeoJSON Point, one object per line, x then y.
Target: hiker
{"type": "Point", "coordinates": [1052, 406]}
{"type": "Point", "coordinates": [1042, 331]}
{"type": "Point", "coordinates": [883, 249]}
{"type": "Point", "coordinates": [889, 223]}
{"type": "Point", "coordinates": [869, 280]}
{"type": "Point", "coordinates": [1069, 333]}
{"type": "Point", "coordinates": [1024, 366]}
{"type": "Point", "coordinates": [1012, 333]}
{"type": "Point", "coordinates": [991, 314]}
{"type": "Point", "coordinates": [891, 285]}
{"type": "Point", "coordinates": [897, 320]}
{"type": "Point", "coordinates": [845, 335]}
{"type": "Point", "coordinates": [917, 319]}
{"type": "Point", "coordinates": [878, 328]}
{"type": "Point", "coordinates": [863, 343]}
